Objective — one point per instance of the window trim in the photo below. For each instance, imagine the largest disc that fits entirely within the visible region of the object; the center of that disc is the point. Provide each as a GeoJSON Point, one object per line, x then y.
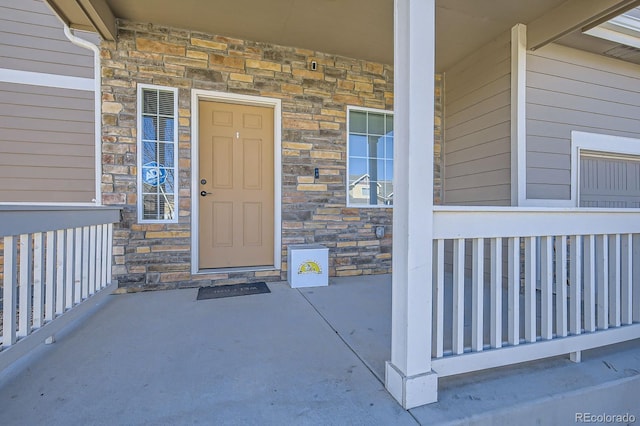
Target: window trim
{"type": "Point", "coordinates": [363, 109]}
{"type": "Point", "coordinates": [594, 144]}
{"type": "Point", "coordinates": [139, 201]}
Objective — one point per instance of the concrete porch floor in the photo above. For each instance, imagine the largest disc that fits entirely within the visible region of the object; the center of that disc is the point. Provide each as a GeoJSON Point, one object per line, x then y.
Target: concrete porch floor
{"type": "Point", "coordinates": [305, 357]}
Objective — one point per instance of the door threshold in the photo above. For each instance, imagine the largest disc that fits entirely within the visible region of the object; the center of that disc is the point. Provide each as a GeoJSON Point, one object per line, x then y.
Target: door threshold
{"type": "Point", "coordinates": [237, 269]}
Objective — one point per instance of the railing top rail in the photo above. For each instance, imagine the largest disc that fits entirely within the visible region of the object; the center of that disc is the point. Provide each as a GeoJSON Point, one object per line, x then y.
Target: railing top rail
{"type": "Point", "coordinates": [492, 222]}
{"type": "Point", "coordinates": [21, 219]}
{"type": "Point", "coordinates": [510, 209]}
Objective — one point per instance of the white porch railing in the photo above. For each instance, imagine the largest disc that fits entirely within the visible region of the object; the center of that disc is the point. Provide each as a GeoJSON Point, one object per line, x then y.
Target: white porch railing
{"type": "Point", "coordinates": [53, 258]}
{"type": "Point", "coordinates": [513, 285]}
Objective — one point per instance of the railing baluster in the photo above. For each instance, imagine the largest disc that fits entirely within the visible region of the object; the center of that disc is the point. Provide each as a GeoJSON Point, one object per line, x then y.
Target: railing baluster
{"type": "Point", "coordinates": [77, 272]}
{"type": "Point", "coordinates": [85, 262]}
{"type": "Point", "coordinates": [614, 280]}
{"type": "Point", "coordinates": [513, 293]}
{"type": "Point", "coordinates": [10, 291]}
{"type": "Point", "coordinates": [60, 270]}
{"type": "Point", "coordinates": [530, 289]}
{"type": "Point", "coordinates": [477, 293]}
{"type": "Point", "coordinates": [99, 258]}
{"type": "Point", "coordinates": [575, 312]}
{"type": "Point", "coordinates": [626, 278]}
{"type": "Point", "coordinates": [546, 283]}
{"type": "Point", "coordinates": [437, 346]}
{"type": "Point", "coordinates": [104, 252]}
{"type": "Point", "coordinates": [38, 279]}
{"type": "Point", "coordinates": [110, 251]}
{"type": "Point", "coordinates": [635, 296]}
{"type": "Point", "coordinates": [26, 278]}
{"type": "Point", "coordinates": [68, 281]}
{"type": "Point", "coordinates": [50, 277]}
{"type": "Point", "coordinates": [590, 265]}
{"type": "Point", "coordinates": [458, 296]}
{"type": "Point", "coordinates": [92, 259]}
{"type": "Point", "coordinates": [602, 272]}
{"type": "Point", "coordinates": [561, 286]}
{"type": "Point", "coordinates": [496, 293]}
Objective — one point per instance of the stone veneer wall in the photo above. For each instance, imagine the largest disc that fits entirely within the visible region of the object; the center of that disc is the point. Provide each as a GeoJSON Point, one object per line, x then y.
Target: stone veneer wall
{"type": "Point", "coordinates": [313, 135]}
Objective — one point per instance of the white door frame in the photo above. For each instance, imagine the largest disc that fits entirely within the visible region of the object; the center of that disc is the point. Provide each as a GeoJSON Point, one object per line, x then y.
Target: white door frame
{"type": "Point", "coordinates": [196, 96]}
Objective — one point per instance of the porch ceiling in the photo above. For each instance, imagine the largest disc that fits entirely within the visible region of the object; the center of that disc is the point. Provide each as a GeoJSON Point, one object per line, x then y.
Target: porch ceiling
{"type": "Point", "coordinates": [345, 27]}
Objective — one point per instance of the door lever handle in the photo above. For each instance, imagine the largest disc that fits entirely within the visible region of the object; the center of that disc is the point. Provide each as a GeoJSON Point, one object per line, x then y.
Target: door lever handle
{"type": "Point", "coordinates": [204, 193]}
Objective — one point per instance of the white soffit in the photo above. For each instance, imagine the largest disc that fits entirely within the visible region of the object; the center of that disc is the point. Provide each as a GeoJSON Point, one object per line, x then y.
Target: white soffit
{"type": "Point", "coordinates": [623, 29]}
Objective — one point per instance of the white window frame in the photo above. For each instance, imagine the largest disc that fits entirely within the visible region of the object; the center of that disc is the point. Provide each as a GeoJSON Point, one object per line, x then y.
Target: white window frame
{"type": "Point", "coordinates": [363, 109]}
{"type": "Point", "coordinates": [597, 143]}
{"type": "Point", "coordinates": [140, 201]}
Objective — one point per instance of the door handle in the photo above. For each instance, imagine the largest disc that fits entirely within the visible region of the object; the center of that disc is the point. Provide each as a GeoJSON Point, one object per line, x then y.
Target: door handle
{"type": "Point", "coordinates": [204, 193]}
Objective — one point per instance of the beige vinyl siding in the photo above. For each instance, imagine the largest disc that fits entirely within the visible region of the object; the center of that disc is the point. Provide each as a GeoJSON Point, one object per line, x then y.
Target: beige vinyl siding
{"type": "Point", "coordinates": [477, 159]}
{"type": "Point", "coordinates": [568, 89]}
{"type": "Point", "coordinates": [46, 144]}
{"type": "Point", "coordinates": [32, 39]}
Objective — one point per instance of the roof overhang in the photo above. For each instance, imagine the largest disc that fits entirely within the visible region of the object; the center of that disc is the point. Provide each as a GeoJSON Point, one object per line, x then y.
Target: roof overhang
{"type": "Point", "coordinates": [351, 28]}
{"type": "Point", "coordinates": [87, 15]}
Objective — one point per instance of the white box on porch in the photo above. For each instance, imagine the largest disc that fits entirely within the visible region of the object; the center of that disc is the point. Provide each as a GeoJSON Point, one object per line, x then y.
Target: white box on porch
{"type": "Point", "coordinates": [308, 265]}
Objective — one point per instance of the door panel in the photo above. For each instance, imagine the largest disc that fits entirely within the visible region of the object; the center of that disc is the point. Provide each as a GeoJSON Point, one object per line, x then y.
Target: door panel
{"type": "Point", "coordinates": [222, 163]}
{"type": "Point", "coordinates": [222, 224]}
{"type": "Point", "coordinates": [236, 166]}
{"type": "Point", "coordinates": [252, 216]}
{"type": "Point", "coordinates": [252, 167]}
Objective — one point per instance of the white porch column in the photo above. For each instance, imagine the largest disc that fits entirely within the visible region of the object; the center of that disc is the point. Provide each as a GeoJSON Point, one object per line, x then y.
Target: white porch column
{"type": "Point", "coordinates": [409, 377]}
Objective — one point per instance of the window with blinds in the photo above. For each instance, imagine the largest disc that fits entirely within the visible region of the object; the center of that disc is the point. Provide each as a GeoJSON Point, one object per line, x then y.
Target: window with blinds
{"type": "Point", "coordinates": [157, 154]}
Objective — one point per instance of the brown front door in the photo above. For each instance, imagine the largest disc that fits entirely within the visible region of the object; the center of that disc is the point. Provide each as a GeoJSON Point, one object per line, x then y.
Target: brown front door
{"type": "Point", "coordinates": [236, 185]}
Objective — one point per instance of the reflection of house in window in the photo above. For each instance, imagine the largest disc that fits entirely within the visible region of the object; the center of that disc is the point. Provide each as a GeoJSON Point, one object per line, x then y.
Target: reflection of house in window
{"type": "Point", "coordinates": [360, 191]}
{"type": "Point", "coordinates": [370, 157]}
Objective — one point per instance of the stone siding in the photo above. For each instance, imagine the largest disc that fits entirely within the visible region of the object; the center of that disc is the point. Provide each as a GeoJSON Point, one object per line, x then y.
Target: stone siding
{"type": "Point", "coordinates": [314, 107]}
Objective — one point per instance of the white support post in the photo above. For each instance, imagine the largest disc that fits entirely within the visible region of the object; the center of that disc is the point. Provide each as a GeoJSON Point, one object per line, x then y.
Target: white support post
{"type": "Point", "coordinates": [408, 376]}
{"type": "Point", "coordinates": [518, 114]}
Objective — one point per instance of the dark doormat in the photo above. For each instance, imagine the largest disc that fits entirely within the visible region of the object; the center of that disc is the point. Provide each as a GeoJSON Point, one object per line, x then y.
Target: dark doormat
{"type": "Point", "coordinates": [232, 290]}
